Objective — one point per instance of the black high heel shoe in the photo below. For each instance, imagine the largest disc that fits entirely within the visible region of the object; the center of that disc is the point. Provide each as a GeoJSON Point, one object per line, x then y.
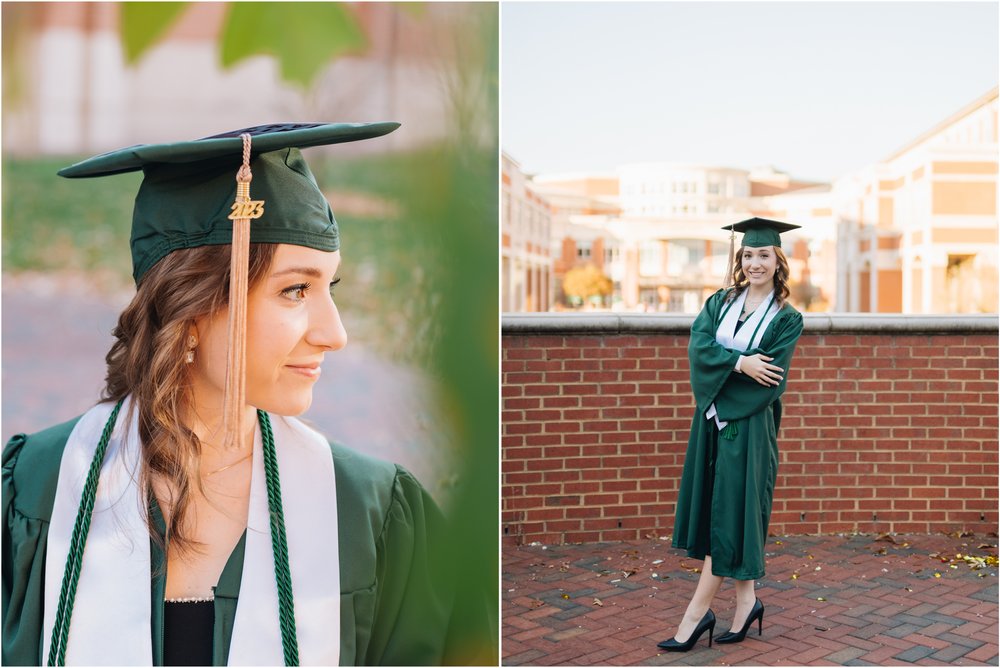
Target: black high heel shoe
{"type": "Point", "coordinates": [707, 622]}
{"type": "Point", "coordinates": [756, 612]}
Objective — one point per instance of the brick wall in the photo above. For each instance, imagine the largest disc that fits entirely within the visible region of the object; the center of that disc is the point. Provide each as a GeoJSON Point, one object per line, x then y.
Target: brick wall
{"type": "Point", "coordinates": [889, 425]}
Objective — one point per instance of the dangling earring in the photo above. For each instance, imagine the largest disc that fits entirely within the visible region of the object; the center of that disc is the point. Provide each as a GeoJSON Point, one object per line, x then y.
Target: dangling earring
{"type": "Point", "coordinates": [192, 343]}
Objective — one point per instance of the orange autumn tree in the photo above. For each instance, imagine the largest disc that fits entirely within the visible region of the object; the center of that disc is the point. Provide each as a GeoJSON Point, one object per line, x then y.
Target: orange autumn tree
{"type": "Point", "coordinates": [583, 284]}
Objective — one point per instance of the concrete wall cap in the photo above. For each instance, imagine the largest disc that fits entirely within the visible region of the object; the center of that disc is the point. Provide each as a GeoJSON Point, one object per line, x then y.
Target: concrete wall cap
{"type": "Point", "coordinates": [666, 323]}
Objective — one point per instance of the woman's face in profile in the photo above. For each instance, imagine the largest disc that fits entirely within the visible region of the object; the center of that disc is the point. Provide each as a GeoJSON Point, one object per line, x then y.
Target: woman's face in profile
{"type": "Point", "coordinates": [759, 265]}
{"type": "Point", "coordinates": [292, 321]}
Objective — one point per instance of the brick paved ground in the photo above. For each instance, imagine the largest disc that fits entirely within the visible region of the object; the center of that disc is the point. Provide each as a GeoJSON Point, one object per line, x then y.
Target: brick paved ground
{"type": "Point", "coordinates": [55, 337]}
{"type": "Point", "coordinates": [829, 600]}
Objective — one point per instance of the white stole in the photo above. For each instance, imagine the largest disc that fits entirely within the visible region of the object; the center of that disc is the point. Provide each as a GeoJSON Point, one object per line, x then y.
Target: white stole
{"type": "Point", "coordinates": [111, 616]}
{"type": "Point", "coordinates": [754, 326]}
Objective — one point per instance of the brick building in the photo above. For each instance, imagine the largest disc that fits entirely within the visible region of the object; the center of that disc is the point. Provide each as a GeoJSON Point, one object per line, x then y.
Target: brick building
{"type": "Point", "coordinates": [917, 232]}
{"type": "Point", "coordinates": [656, 230]}
{"type": "Point", "coordinates": [525, 242]}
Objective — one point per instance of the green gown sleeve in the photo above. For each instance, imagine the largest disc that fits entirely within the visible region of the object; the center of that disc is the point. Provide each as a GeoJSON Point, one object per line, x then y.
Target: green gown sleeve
{"type": "Point", "coordinates": [742, 396]}
{"type": "Point", "coordinates": [396, 606]}
{"type": "Point", "coordinates": [711, 363]}
{"type": "Point", "coordinates": [30, 475]}
{"type": "Point", "coordinates": [23, 571]}
{"type": "Point", "coordinates": [413, 605]}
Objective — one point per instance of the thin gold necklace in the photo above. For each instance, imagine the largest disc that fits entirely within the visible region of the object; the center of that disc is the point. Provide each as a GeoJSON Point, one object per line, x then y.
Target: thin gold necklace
{"type": "Point", "coordinates": [229, 466]}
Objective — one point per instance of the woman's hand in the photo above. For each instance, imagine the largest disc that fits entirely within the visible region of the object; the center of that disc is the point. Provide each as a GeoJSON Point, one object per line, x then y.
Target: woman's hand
{"type": "Point", "coordinates": [756, 366]}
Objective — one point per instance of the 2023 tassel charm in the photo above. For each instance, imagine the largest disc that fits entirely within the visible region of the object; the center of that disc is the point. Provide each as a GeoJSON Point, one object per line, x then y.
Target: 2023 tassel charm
{"type": "Point", "coordinates": [244, 210]}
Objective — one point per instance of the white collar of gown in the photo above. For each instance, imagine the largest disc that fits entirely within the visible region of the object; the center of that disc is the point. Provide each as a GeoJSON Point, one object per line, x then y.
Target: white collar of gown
{"type": "Point", "coordinates": [754, 326]}
{"type": "Point", "coordinates": [111, 616]}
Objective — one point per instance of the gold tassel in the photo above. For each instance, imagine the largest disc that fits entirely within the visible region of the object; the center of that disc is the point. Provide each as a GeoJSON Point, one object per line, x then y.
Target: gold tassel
{"type": "Point", "coordinates": [243, 210]}
{"type": "Point", "coordinates": [731, 264]}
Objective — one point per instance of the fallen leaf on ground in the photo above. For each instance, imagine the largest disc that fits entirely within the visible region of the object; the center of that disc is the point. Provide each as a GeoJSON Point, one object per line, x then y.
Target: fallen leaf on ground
{"type": "Point", "coordinates": [689, 568]}
{"type": "Point", "coordinates": [598, 602]}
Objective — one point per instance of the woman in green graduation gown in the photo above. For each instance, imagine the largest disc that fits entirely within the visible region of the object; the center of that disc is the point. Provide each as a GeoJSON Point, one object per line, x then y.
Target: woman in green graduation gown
{"type": "Point", "coordinates": [740, 350]}
{"type": "Point", "coordinates": [189, 518]}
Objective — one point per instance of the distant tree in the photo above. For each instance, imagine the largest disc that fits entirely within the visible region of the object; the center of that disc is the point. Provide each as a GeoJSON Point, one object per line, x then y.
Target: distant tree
{"type": "Point", "coordinates": [803, 293]}
{"type": "Point", "coordinates": [584, 283]}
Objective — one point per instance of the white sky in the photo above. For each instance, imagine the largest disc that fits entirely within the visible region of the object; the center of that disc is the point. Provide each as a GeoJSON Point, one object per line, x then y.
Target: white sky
{"type": "Point", "coordinates": [816, 89]}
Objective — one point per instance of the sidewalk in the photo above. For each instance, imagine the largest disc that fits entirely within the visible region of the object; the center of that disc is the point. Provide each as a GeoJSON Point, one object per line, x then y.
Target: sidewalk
{"type": "Point", "coordinates": [829, 600]}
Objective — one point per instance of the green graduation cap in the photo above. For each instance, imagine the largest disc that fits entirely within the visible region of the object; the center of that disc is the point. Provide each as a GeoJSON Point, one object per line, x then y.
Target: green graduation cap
{"type": "Point", "coordinates": [198, 193]}
{"type": "Point", "coordinates": [758, 232]}
{"type": "Point", "coordinates": [189, 188]}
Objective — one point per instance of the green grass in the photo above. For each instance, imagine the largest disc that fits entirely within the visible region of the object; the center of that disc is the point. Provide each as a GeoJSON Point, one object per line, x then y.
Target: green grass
{"type": "Point", "coordinates": [56, 224]}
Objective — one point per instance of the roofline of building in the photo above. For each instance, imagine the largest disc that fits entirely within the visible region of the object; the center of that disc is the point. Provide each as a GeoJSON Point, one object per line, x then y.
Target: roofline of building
{"type": "Point", "coordinates": [817, 189]}
{"type": "Point", "coordinates": [979, 102]}
{"type": "Point", "coordinates": [573, 176]}
{"type": "Point", "coordinates": [681, 165]}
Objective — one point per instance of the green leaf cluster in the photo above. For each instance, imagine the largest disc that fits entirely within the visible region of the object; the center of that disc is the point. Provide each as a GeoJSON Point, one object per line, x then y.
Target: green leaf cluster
{"type": "Point", "coordinates": [302, 36]}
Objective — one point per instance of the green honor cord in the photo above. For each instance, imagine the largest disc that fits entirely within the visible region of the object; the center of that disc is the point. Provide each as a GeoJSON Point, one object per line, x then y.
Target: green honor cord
{"type": "Point", "coordinates": [74, 560]}
{"type": "Point", "coordinates": [282, 574]}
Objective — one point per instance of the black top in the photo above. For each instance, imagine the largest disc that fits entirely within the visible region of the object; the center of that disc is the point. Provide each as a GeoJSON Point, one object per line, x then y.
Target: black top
{"type": "Point", "coordinates": [187, 633]}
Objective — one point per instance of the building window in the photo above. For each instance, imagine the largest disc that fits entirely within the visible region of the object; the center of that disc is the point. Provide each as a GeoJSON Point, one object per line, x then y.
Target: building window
{"type": "Point", "coordinates": [684, 256]}
{"type": "Point", "coordinates": [714, 188]}
{"type": "Point", "coordinates": [649, 298]}
{"type": "Point", "coordinates": [684, 301]}
{"type": "Point", "coordinates": [610, 255]}
{"type": "Point", "coordinates": [583, 250]}
{"type": "Point", "coordinates": [650, 258]}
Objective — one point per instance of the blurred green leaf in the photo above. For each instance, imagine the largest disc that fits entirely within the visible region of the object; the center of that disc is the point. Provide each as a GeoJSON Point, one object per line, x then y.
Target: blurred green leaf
{"type": "Point", "coordinates": [302, 36]}
{"type": "Point", "coordinates": [143, 23]}
{"type": "Point", "coordinates": [416, 9]}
